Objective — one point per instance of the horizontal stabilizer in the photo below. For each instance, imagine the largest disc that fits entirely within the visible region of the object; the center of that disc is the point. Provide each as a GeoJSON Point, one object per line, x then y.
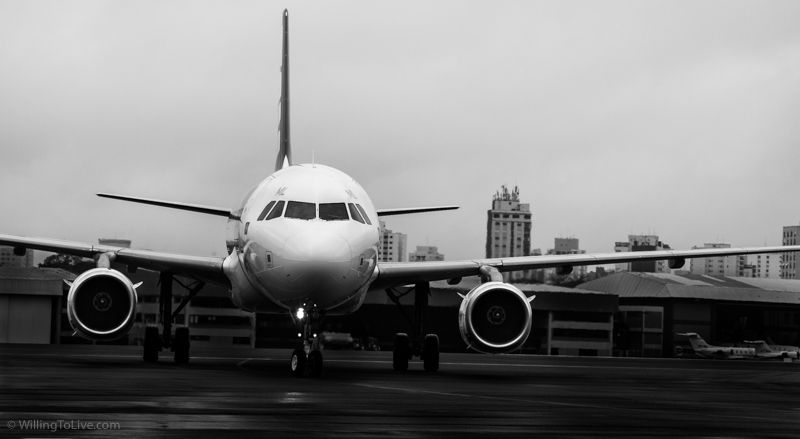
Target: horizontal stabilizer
{"type": "Point", "coordinates": [403, 211]}
{"type": "Point", "coordinates": [208, 210]}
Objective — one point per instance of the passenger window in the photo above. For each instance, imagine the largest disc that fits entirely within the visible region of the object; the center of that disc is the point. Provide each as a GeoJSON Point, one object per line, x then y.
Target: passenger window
{"type": "Point", "coordinates": [364, 214]}
{"type": "Point", "coordinates": [301, 210]}
{"type": "Point", "coordinates": [276, 212]}
{"type": "Point", "coordinates": [333, 212]}
{"type": "Point", "coordinates": [266, 210]}
{"type": "Point", "coordinates": [354, 213]}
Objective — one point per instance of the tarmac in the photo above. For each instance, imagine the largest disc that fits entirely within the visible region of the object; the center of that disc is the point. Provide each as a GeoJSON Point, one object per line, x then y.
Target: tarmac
{"type": "Point", "coordinates": [60, 391]}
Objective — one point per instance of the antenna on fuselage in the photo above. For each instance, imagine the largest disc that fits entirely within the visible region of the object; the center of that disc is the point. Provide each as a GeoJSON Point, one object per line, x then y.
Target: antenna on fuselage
{"type": "Point", "coordinates": [285, 148]}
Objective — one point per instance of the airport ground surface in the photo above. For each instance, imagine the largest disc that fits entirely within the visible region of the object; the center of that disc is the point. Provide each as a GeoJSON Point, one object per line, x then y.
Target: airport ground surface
{"type": "Point", "coordinates": [249, 393]}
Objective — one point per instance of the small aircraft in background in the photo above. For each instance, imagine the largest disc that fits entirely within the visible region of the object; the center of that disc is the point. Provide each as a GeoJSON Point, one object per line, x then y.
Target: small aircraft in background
{"type": "Point", "coordinates": [765, 350]}
{"type": "Point", "coordinates": [705, 350]}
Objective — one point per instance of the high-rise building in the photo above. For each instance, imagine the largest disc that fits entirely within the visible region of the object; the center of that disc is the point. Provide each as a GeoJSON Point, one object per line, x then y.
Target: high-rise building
{"type": "Point", "coordinates": [789, 261]}
{"type": "Point", "coordinates": [508, 229]}
{"type": "Point", "coordinates": [9, 259]}
{"type": "Point", "coordinates": [639, 243]}
{"type": "Point", "coordinates": [717, 266]}
{"type": "Point", "coordinates": [392, 245]}
{"type": "Point", "coordinates": [762, 266]}
{"type": "Point", "coordinates": [425, 253]}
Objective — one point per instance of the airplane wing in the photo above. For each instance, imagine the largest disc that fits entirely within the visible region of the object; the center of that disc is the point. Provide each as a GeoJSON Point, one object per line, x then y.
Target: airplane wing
{"type": "Point", "coordinates": [406, 210]}
{"type": "Point", "coordinates": [403, 273]}
{"type": "Point", "coordinates": [205, 268]}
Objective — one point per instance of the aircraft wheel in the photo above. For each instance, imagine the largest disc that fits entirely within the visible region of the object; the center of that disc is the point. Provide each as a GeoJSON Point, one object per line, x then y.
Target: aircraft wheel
{"type": "Point", "coordinates": [181, 345]}
{"type": "Point", "coordinates": [401, 352]}
{"type": "Point", "coordinates": [430, 353]}
{"type": "Point", "coordinates": [298, 362]}
{"type": "Point", "coordinates": [315, 363]}
{"type": "Point", "coordinates": [152, 344]}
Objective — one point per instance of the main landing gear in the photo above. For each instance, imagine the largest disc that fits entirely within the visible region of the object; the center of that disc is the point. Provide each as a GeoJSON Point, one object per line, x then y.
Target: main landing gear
{"type": "Point", "coordinates": [405, 347]}
{"type": "Point", "coordinates": [307, 357]}
{"type": "Point", "coordinates": [153, 343]}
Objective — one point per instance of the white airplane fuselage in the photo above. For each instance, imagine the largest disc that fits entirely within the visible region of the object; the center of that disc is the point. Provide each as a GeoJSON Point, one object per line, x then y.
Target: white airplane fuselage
{"type": "Point", "coordinates": [320, 250]}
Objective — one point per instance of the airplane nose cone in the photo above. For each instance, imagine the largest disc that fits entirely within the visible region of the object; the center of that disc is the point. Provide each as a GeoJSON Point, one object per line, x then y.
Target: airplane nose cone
{"type": "Point", "coordinates": [322, 248]}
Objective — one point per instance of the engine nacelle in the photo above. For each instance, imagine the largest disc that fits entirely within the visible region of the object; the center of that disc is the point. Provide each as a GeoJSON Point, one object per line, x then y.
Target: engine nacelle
{"type": "Point", "coordinates": [495, 318]}
{"type": "Point", "coordinates": [101, 304]}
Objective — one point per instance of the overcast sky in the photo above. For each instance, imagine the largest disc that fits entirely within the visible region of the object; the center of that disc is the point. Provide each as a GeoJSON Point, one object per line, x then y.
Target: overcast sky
{"type": "Point", "coordinates": [679, 118]}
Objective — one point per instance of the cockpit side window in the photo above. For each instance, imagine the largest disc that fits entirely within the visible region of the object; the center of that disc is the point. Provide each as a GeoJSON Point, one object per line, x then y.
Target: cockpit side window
{"type": "Point", "coordinates": [301, 210]}
{"type": "Point", "coordinates": [364, 214]}
{"type": "Point", "coordinates": [266, 210]}
{"type": "Point", "coordinates": [276, 212]}
{"type": "Point", "coordinates": [354, 213]}
{"type": "Point", "coordinates": [333, 212]}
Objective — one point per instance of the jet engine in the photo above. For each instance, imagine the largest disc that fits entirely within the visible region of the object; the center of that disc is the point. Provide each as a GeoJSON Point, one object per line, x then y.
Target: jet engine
{"type": "Point", "coordinates": [495, 318]}
{"type": "Point", "coordinates": [101, 304]}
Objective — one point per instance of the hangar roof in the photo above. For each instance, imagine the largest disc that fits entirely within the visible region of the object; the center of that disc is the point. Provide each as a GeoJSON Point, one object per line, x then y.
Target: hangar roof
{"type": "Point", "coordinates": [33, 281]}
{"type": "Point", "coordinates": [692, 286]}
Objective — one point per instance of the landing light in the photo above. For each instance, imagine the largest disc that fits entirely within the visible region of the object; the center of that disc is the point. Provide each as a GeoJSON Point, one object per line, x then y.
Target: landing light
{"type": "Point", "coordinates": [300, 313]}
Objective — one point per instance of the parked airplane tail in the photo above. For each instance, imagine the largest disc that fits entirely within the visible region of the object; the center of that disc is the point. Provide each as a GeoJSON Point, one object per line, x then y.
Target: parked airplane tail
{"type": "Point", "coordinates": [284, 158]}
{"type": "Point", "coordinates": [760, 346]}
{"type": "Point", "coordinates": [695, 340]}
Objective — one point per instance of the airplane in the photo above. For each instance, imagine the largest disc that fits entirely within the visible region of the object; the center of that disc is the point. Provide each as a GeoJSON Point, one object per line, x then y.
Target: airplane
{"type": "Point", "coordinates": [705, 350]}
{"type": "Point", "coordinates": [305, 246]}
{"type": "Point", "coordinates": [765, 350]}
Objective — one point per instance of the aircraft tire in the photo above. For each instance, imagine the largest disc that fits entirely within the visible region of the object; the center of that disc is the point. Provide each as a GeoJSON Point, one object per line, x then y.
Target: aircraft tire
{"type": "Point", "coordinates": [152, 344]}
{"type": "Point", "coordinates": [401, 352]}
{"type": "Point", "coordinates": [297, 365]}
{"type": "Point", "coordinates": [315, 363]}
{"type": "Point", "coordinates": [430, 353]}
{"type": "Point", "coordinates": [180, 345]}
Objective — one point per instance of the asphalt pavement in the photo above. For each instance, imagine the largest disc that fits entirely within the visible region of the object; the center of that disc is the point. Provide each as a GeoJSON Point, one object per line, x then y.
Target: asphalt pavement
{"type": "Point", "coordinates": [107, 391]}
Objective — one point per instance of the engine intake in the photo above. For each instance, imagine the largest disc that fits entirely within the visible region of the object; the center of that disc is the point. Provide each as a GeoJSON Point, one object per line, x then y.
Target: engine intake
{"type": "Point", "coordinates": [101, 304]}
{"type": "Point", "coordinates": [495, 318]}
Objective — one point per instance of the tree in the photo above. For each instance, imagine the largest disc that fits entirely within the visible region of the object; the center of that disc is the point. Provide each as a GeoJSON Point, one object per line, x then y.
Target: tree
{"type": "Point", "coordinates": [73, 264]}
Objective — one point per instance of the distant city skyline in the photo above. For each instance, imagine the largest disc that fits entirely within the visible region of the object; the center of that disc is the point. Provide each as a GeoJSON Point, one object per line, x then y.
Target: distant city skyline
{"type": "Point", "coordinates": [609, 121]}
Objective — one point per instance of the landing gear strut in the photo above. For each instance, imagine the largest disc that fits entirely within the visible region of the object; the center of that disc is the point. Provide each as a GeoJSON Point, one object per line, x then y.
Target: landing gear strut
{"type": "Point", "coordinates": [306, 359]}
{"type": "Point", "coordinates": [426, 347]}
{"type": "Point", "coordinates": [180, 343]}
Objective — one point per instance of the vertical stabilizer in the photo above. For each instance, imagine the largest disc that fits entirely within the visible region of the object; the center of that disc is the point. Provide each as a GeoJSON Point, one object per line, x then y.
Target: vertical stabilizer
{"type": "Point", "coordinates": [285, 149]}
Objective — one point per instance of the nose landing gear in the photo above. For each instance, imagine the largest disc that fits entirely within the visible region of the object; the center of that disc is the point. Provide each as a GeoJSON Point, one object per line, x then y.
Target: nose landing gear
{"type": "Point", "coordinates": [306, 359]}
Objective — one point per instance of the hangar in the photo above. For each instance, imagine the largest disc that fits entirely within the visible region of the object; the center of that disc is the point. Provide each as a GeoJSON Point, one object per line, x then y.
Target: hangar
{"type": "Point", "coordinates": [30, 304]}
{"type": "Point", "coordinates": [653, 307]}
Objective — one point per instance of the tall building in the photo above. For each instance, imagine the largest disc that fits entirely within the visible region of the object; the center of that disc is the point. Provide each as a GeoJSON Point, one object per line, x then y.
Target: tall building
{"type": "Point", "coordinates": [789, 267]}
{"type": "Point", "coordinates": [425, 253]}
{"type": "Point", "coordinates": [392, 245]}
{"type": "Point", "coordinates": [766, 266]}
{"type": "Point", "coordinates": [508, 229]}
{"type": "Point", "coordinates": [717, 266]}
{"type": "Point", "coordinates": [10, 260]}
{"type": "Point", "coordinates": [639, 243]}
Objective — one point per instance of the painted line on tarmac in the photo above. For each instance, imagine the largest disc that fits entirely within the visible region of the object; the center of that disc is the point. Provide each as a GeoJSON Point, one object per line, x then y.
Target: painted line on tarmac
{"type": "Point", "coordinates": [731, 417]}
{"type": "Point", "coordinates": [494, 398]}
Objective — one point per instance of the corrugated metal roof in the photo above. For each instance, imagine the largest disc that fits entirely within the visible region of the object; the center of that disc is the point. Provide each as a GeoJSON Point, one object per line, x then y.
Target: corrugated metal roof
{"type": "Point", "coordinates": [688, 286]}
{"type": "Point", "coordinates": [17, 273]}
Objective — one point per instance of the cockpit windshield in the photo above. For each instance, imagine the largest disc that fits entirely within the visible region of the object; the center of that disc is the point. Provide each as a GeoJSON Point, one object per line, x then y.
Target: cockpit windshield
{"type": "Point", "coordinates": [333, 212]}
{"type": "Point", "coordinates": [300, 210]}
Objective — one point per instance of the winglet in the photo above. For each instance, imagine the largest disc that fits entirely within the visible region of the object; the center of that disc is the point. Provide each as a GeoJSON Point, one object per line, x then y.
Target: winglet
{"type": "Point", "coordinates": [284, 158]}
